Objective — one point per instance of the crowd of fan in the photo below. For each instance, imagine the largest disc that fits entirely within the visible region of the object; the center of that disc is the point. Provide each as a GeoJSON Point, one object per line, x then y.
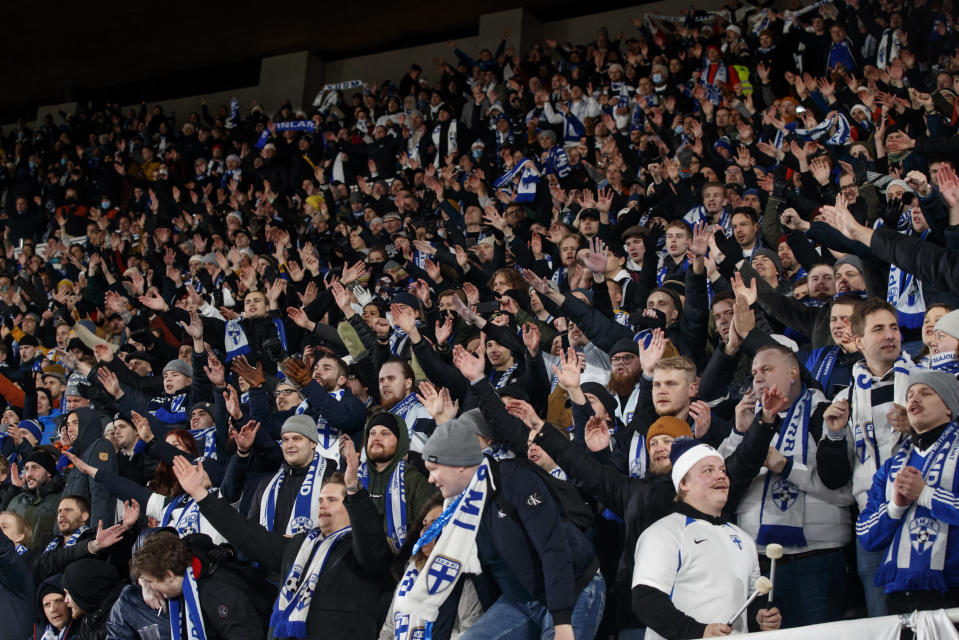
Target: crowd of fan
{"type": "Point", "coordinates": [561, 344]}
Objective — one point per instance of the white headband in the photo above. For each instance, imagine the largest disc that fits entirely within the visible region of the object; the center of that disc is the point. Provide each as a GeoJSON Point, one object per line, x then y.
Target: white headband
{"type": "Point", "coordinates": [689, 459]}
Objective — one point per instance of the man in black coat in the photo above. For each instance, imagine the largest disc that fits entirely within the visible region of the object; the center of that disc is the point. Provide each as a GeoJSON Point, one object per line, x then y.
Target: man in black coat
{"type": "Point", "coordinates": [351, 578]}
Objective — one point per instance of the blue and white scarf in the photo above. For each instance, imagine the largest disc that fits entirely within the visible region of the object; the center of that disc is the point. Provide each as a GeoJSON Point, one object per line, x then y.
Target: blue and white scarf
{"type": "Point", "coordinates": [69, 542]}
{"type": "Point", "coordinates": [292, 606]}
{"type": "Point", "coordinates": [826, 365]}
{"type": "Point", "coordinates": [234, 113]}
{"type": "Point", "coordinates": [189, 519]}
{"type": "Point", "coordinates": [188, 612]}
{"type": "Point", "coordinates": [20, 549]}
{"type": "Point", "coordinates": [838, 138]}
{"type": "Point", "coordinates": [169, 409]}
{"type": "Point", "coordinates": [451, 144]}
{"type": "Point", "coordinates": [916, 557]}
{"type": "Point", "coordinates": [944, 362]}
{"type": "Point", "coordinates": [905, 293]}
{"type": "Point", "coordinates": [404, 407]}
{"type": "Point", "coordinates": [783, 506]}
{"type": "Point", "coordinates": [235, 339]}
{"type": "Point", "coordinates": [49, 633]}
{"type": "Point", "coordinates": [306, 505]}
{"type": "Point", "coordinates": [888, 48]}
{"type": "Point", "coordinates": [529, 178]}
{"type": "Point", "coordinates": [420, 594]}
{"type": "Point", "coordinates": [557, 162]}
{"type": "Point", "coordinates": [498, 452]}
{"type": "Point", "coordinates": [396, 516]}
{"type": "Point", "coordinates": [398, 339]}
{"type": "Point", "coordinates": [861, 413]}
{"type": "Point", "coordinates": [504, 378]}
{"type": "Point", "coordinates": [638, 456]}
{"type": "Point", "coordinates": [206, 437]}
{"type": "Point", "coordinates": [292, 125]}
{"type": "Point", "coordinates": [343, 86]}
{"type": "Point", "coordinates": [699, 214]}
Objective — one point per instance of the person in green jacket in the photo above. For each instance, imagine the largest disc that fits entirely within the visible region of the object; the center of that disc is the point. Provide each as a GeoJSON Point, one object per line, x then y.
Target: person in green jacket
{"type": "Point", "coordinates": [397, 487]}
{"type": "Point", "coordinates": [37, 502]}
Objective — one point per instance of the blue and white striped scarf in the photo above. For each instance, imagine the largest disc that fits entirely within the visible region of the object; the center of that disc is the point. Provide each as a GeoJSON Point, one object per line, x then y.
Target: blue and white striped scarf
{"type": "Point", "coordinates": [838, 138]}
{"type": "Point", "coordinates": [186, 611]}
{"type": "Point", "coordinates": [306, 505]}
{"type": "Point", "coordinates": [69, 542]}
{"type": "Point", "coordinates": [396, 515]}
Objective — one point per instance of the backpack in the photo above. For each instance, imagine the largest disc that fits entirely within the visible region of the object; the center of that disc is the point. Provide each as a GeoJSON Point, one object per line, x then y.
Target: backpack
{"type": "Point", "coordinates": [573, 508]}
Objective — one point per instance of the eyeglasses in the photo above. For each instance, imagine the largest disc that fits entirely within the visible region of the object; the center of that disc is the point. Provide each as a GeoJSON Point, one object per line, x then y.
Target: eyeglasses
{"type": "Point", "coordinates": [622, 359]}
{"type": "Point", "coordinates": [848, 187]}
{"type": "Point", "coordinates": [283, 392]}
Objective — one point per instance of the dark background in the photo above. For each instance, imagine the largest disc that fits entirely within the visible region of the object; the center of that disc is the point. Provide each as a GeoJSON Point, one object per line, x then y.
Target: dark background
{"type": "Point", "coordinates": [135, 50]}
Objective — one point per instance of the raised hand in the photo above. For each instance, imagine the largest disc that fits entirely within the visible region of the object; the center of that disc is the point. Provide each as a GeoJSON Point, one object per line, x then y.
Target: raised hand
{"type": "Point", "coordinates": [745, 411]}
{"type": "Point", "coordinates": [649, 356]}
{"type": "Point", "coordinates": [597, 434]}
{"type": "Point", "coordinates": [142, 425]}
{"type": "Point", "coordinates": [836, 415]}
{"type": "Point", "coordinates": [596, 258]}
{"type": "Point", "coordinates": [232, 401]}
{"type": "Point", "coordinates": [215, 371]}
{"type": "Point", "coordinates": [80, 465]}
{"type": "Point", "coordinates": [297, 371]}
{"type": "Point", "coordinates": [702, 417]}
{"type": "Point", "coordinates": [531, 338]}
{"type": "Point", "coordinates": [242, 367]}
{"type": "Point", "coordinates": [443, 331]}
{"type": "Point", "coordinates": [105, 538]}
{"type": "Point", "coordinates": [131, 513]}
{"type": "Point", "coordinates": [195, 328]}
{"type": "Point", "coordinates": [246, 435]}
{"type": "Point", "coordinates": [190, 477]}
{"type": "Point", "coordinates": [109, 381]}
{"type": "Point", "coordinates": [473, 368]}
{"type": "Point", "coordinates": [774, 402]}
{"type": "Point", "coordinates": [568, 375]}
{"type": "Point", "coordinates": [404, 317]}
{"type": "Point", "coordinates": [700, 242]}
{"type": "Point", "coordinates": [749, 293]}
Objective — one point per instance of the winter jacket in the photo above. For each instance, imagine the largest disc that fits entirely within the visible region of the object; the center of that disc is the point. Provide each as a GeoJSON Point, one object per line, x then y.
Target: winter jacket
{"type": "Point", "coordinates": [16, 592]}
{"type": "Point", "coordinates": [343, 604]}
{"type": "Point", "coordinates": [91, 447]}
{"type": "Point", "coordinates": [39, 508]}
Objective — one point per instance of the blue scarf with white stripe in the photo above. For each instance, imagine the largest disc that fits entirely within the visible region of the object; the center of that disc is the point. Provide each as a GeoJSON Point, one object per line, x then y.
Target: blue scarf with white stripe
{"type": "Point", "coordinates": [69, 542]}
{"type": "Point", "coordinates": [187, 613]}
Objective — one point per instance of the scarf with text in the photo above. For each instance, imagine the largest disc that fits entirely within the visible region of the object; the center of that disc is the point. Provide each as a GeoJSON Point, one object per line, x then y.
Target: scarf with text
{"type": "Point", "coordinates": [306, 505]}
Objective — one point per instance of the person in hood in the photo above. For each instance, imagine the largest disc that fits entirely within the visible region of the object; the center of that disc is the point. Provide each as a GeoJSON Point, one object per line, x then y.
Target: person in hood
{"type": "Point", "coordinates": [396, 485]}
{"type": "Point", "coordinates": [91, 447]}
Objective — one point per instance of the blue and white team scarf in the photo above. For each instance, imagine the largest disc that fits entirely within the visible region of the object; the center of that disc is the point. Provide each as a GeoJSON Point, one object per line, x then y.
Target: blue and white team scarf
{"type": "Point", "coordinates": [398, 339]}
{"type": "Point", "coordinates": [49, 633]}
{"type": "Point", "coordinates": [69, 542]}
{"type": "Point", "coordinates": [905, 294]}
{"type": "Point", "coordinates": [404, 407]}
{"type": "Point", "coordinates": [783, 506]}
{"type": "Point", "coordinates": [504, 378]}
{"type": "Point", "coordinates": [500, 451]}
{"type": "Point", "coordinates": [638, 456]}
{"type": "Point", "coordinates": [185, 611]}
{"type": "Point", "coordinates": [826, 366]}
{"type": "Point", "coordinates": [292, 606]}
{"type": "Point", "coordinates": [838, 138]}
{"type": "Point", "coordinates": [420, 594]}
{"type": "Point", "coordinates": [207, 438]}
{"type": "Point", "coordinates": [396, 518]}
{"type": "Point", "coordinates": [234, 113]}
{"type": "Point", "coordinates": [698, 214]}
{"type": "Point", "coordinates": [944, 362]}
{"type": "Point", "coordinates": [888, 48]}
{"type": "Point", "coordinates": [860, 409]}
{"type": "Point", "coordinates": [529, 178]}
{"type": "Point", "coordinates": [21, 549]}
{"type": "Point", "coordinates": [188, 520]}
{"type": "Point", "coordinates": [235, 339]}
{"type": "Point", "coordinates": [557, 162]}
{"type": "Point", "coordinates": [343, 86]}
{"type": "Point", "coordinates": [170, 409]}
{"type": "Point", "coordinates": [306, 505]}
{"type": "Point", "coordinates": [452, 146]}
{"type": "Point", "coordinates": [292, 125]}
{"type": "Point", "coordinates": [916, 556]}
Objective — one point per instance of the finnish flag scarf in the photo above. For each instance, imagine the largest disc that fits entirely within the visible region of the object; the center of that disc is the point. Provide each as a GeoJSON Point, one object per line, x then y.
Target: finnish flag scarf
{"type": "Point", "coordinates": [421, 593]}
{"type": "Point", "coordinates": [69, 542]}
{"type": "Point", "coordinates": [396, 515]}
{"type": "Point", "coordinates": [305, 506]}
{"type": "Point", "coordinates": [187, 614]}
{"type": "Point", "coordinates": [292, 606]}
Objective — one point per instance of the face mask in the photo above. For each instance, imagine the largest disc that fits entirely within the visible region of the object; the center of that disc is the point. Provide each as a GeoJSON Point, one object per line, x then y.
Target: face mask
{"type": "Point", "coordinates": [32, 164]}
{"type": "Point", "coordinates": [105, 205]}
{"type": "Point", "coordinates": [657, 78]}
{"type": "Point", "coordinates": [477, 154]}
{"type": "Point", "coordinates": [678, 129]}
{"type": "Point", "coordinates": [71, 200]}
{"type": "Point", "coordinates": [63, 161]}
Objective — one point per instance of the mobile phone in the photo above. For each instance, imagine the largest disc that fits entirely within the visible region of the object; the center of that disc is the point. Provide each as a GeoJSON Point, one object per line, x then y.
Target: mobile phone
{"type": "Point", "coordinates": [487, 307]}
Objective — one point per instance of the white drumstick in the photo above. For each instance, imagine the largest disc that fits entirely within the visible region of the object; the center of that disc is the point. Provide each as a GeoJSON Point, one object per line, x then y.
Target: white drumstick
{"type": "Point", "coordinates": [773, 552]}
{"type": "Point", "coordinates": [763, 585]}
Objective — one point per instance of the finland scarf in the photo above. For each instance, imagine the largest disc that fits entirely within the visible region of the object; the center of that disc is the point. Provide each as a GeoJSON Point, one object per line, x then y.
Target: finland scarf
{"type": "Point", "coordinates": [783, 503]}
{"type": "Point", "coordinates": [826, 366]}
{"type": "Point", "coordinates": [451, 146]}
{"type": "Point", "coordinates": [529, 178]}
{"type": "Point", "coordinates": [188, 521]}
{"type": "Point", "coordinates": [292, 606]}
{"type": "Point", "coordinates": [234, 113]}
{"type": "Point", "coordinates": [860, 413]}
{"type": "Point", "coordinates": [69, 542]}
{"type": "Point", "coordinates": [498, 452]}
{"type": "Point", "coordinates": [905, 293]}
{"type": "Point", "coordinates": [504, 377]}
{"type": "Point", "coordinates": [404, 407]}
{"type": "Point", "coordinates": [714, 74]}
{"type": "Point", "coordinates": [638, 456]}
{"type": "Point", "coordinates": [169, 409]}
{"type": "Point", "coordinates": [888, 48]}
{"type": "Point", "coordinates": [421, 593]}
{"type": "Point", "coordinates": [841, 53]}
{"type": "Point", "coordinates": [49, 633]}
{"type": "Point", "coordinates": [187, 613]}
{"type": "Point", "coordinates": [837, 138]}
{"type": "Point", "coordinates": [326, 446]}
{"type": "Point", "coordinates": [396, 516]}
{"type": "Point", "coordinates": [557, 162]}
{"type": "Point", "coordinates": [20, 549]}
{"type": "Point", "coordinates": [235, 339]}
{"type": "Point", "coordinates": [916, 557]}
{"type": "Point", "coordinates": [208, 438]}
{"type": "Point", "coordinates": [292, 125]}
{"type": "Point", "coordinates": [699, 214]}
{"type": "Point", "coordinates": [305, 505]}
{"type": "Point", "coordinates": [945, 362]}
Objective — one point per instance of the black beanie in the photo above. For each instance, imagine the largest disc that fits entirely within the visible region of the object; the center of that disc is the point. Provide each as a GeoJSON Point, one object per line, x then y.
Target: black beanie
{"type": "Point", "coordinates": [45, 460]}
{"type": "Point", "coordinates": [387, 420]}
{"type": "Point", "coordinates": [89, 582]}
{"type": "Point", "coordinates": [602, 394]}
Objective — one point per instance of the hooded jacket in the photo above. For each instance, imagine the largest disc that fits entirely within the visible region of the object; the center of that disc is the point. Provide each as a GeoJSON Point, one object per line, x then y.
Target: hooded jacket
{"type": "Point", "coordinates": [418, 489]}
{"type": "Point", "coordinates": [41, 622]}
{"type": "Point", "coordinates": [39, 508]}
{"type": "Point", "coordinates": [91, 447]}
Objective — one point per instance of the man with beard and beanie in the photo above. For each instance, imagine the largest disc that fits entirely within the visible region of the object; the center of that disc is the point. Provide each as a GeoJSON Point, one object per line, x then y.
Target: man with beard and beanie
{"type": "Point", "coordinates": [397, 486]}
{"type": "Point", "coordinates": [912, 502]}
{"type": "Point", "coordinates": [90, 587]}
{"type": "Point", "coordinates": [639, 501]}
{"type": "Point", "coordinates": [91, 447]}
{"type": "Point", "coordinates": [693, 567]}
{"type": "Point", "coordinates": [327, 396]}
{"type": "Point", "coordinates": [503, 521]}
{"type": "Point", "coordinates": [38, 499]}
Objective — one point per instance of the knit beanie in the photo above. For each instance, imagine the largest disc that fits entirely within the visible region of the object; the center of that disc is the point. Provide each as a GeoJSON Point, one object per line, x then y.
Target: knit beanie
{"type": "Point", "coordinates": [949, 324]}
{"type": "Point", "coordinates": [772, 255]}
{"type": "Point", "coordinates": [602, 394]}
{"type": "Point", "coordinates": [943, 383]}
{"type": "Point", "coordinates": [89, 582]}
{"type": "Point", "coordinates": [180, 366]}
{"type": "Point", "coordinates": [303, 425]}
{"type": "Point", "coordinates": [853, 260]}
{"type": "Point", "coordinates": [684, 454]}
{"type": "Point", "coordinates": [453, 444]}
{"type": "Point", "coordinates": [45, 460]}
{"type": "Point", "coordinates": [668, 426]}
{"type": "Point", "coordinates": [33, 427]}
{"type": "Point", "coordinates": [387, 420]}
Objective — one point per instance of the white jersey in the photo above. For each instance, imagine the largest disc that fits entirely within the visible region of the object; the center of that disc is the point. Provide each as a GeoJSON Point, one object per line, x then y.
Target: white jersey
{"type": "Point", "coordinates": [708, 570]}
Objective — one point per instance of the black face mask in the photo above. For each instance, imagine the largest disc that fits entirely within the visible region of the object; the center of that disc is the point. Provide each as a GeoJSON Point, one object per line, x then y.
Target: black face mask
{"type": "Point", "coordinates": [71, 200]}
